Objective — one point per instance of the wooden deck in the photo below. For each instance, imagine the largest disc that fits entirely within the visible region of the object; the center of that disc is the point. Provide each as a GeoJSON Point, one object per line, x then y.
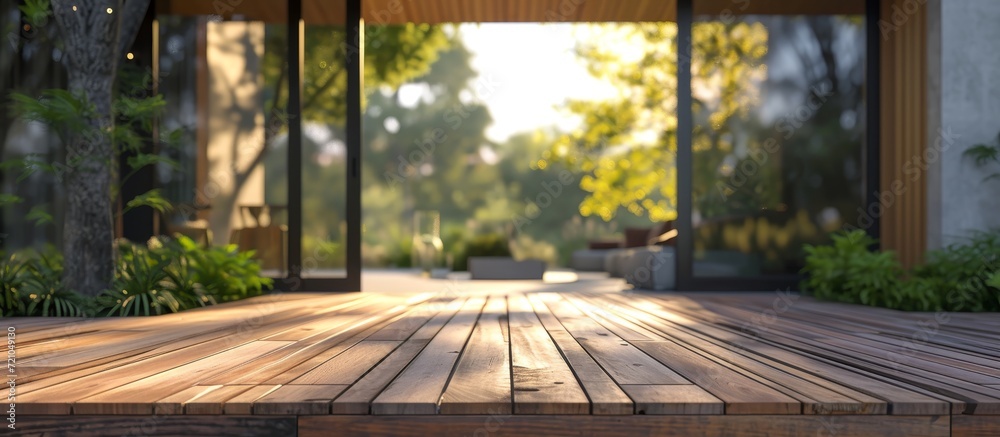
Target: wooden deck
{"type": "Point", "coordinates": [513, 362]}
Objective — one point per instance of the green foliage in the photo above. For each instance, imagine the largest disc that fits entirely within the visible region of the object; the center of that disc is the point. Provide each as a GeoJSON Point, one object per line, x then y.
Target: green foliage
{"type": "Point", "coordinates": [41, 292]}
{"type": "Point", "coordinates": [168, 276]}
{"type": "Point", "coordinates": [624, 166]}
{"type": "Point", "coordinates": [153, 199]}
{"type": "Point", "coordinates": [172, 275]}
{"type": "Point", "coordinates": [985, 154]}
{"type": "Point", "coordinates": [961, 277]}
{"type": "Point", "coordinates": [482, 245]}
{"type": "Point", "coordinates": [62, 110]}
{"type": "Point", "coordinates": [140, 286]}
{"type": "Point", "coordinates": [11, 280]}
{"type": "Point", "coordinates": [848, 272]}
{"type": "Point", "coordinates": [224, 273]}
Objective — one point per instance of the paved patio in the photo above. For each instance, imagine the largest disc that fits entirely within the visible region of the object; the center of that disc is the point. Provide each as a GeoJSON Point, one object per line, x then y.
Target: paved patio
{"type": "Point", "coordinates": [571, 356]}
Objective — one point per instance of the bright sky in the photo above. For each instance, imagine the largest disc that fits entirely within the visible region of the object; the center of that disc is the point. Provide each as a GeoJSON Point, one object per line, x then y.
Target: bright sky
{"type": "Point", "coordinates": [532, 70]}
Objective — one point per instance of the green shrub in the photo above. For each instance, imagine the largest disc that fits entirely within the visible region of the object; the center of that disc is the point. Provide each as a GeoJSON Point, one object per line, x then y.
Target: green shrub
{"type": "Point", "coordinates": [848, 271]}
{"type": "Point", "coordinates": [224, 273]}
{"type": "Point", "coordinates": [173, 275]}
{"type": "Point", "coordinates": [169, 275]}
{"type": "Point", "coordinates": [961, 277]}
{"type": "Point", "coordinates": [959, 274]}
{"type": "Point", "coordinates": [482, 245]}
{"type": "Point", "coordinates": [11, 279]}
{"type": "Point", "coordinates": [31, 285]}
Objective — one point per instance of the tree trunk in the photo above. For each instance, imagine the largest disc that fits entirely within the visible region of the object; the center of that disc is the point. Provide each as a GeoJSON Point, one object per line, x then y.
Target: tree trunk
{"type": "Point", "coordinates": [95, 33]}
{"type": "Point", "coordinates": [88, 229]}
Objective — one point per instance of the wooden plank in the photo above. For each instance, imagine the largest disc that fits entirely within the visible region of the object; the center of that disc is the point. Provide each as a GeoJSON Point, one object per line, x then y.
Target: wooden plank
{"type": "Point", "coordinates": [174, 404]}
{"type": "Point", "coordinates": [673, 399]}
{"type": "Point", "coordinates": [193, 338]}
{"type": "Point", "coordinates": [213, 401]}
{"type": "Point", "coordinates": [543, 382]}
{"type": "Point", "coordinates": [418, 389]}
{"type": "Point", "coordinates": [349, 366]}
{"type": "Point", "coordinates": [401, 327]}
{"type": "Point", "coordinates": [266, 369]}
{"type": "Point", "coordinates": [605, 396]}
{"type": "Point", "coordinates": [298, 400]}
{"type": "Point", "coordinates": [742, 395]}
{"type": "Point", "coordinates": [101, 426]}
{"type": "Point", "coordinates": [243, 402]}
{"type": "Point", "coordinates": [404, 327]}
{"type": "Point", "coordinates": [481, 382]}
{"type": "Point", "coordinates": [624, 362]}
{"type": "Point", "coordinates": [138, 397]}
{"type": "Point", "coordinates": [358, 398]}
{"type": "Point", "coordinates": [903, 399]}
{"type": "Point", "coordinates": [965, 425]}
{"type": "Point", "coordinates": [637, 425]}
{"type": "Point", "coordinates": [816, 397]}
{"type": "Point", "coordinates": [985, 400]}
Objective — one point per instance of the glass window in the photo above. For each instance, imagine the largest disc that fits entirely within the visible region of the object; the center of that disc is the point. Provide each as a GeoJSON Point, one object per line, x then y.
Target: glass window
{"type": "Point", "coordinates": [778, 106]}
{"type": "Point", "coordinates": [223, 74]}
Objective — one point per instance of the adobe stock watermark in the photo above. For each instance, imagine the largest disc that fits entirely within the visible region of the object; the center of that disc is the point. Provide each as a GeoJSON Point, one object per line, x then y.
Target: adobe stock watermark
{"type": "Point", "coordinates": [786, 126]}
{"type": "Point", "coordinates": [408, 164]}
{"type": "Point", "coordinates": [551, 190]}
{"type": "Point", "coordinates": [913, 168]}
{"type": "Point", "coordinates": [899, 16]}
{"type": "Point", "coordinates": [930, 327]}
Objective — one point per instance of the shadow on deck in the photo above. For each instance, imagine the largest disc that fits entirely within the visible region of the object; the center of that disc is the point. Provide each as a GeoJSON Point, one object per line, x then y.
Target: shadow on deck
{"type": "Point", "coordinates": [422, 357]}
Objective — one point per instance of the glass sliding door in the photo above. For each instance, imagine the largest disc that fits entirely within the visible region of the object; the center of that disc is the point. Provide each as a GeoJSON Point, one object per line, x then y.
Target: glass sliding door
{"type": "Point", "coordinates": [776, 137]}
{"type": "Point", "coordinates": [328, 141]}
{"type": "Point", "coordinates": [263, 111]}
{"type": "Point", "coordinates": [223, 76]}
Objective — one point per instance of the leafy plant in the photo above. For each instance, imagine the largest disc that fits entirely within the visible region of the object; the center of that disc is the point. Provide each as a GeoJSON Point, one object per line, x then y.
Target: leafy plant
{"type": "Point", "coordinates": [42, 292]}
{"type": "Point", "coordinates": [482, 245]}
{"type": "Point", "coordinates": [12, 273]}
{"type": "Point", "coordinates": [172, 275]}
{"type": "Point", "coordinates": [848, 271]}
{"type": "Point", "coordinates": [960, 273]}
{"type": "Point", "coordinates": [140, 286]}
{"type": "Point", "coordinates": [224, 273]}
{"type": "Point", "coordinates": [961, 277]}
{"type": "Point", "coordinates": [984, 154]}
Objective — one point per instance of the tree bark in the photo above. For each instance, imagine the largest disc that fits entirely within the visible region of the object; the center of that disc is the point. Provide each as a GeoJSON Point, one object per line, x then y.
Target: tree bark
{"type": "Point", "coordinates": [91, 31]}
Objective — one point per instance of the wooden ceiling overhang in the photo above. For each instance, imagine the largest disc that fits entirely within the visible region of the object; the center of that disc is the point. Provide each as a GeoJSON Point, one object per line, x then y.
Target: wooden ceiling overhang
{"type": "Point", "coordinates": [502, 11]}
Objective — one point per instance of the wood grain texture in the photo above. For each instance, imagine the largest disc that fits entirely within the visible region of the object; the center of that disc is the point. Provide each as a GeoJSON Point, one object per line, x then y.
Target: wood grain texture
{"type": "Point", "coordinates": [481, 382]}
{"type": "Point", "coordinates": [741, 394]}
{"type": "Point", "coordinates": [348, 367]}
{"type": "Point", "coordinates": [102, 426]}
{"type": "Point", "coordinates": [298, 400]}
{"type": "Point", "coordinates": [605, 396]}
{"type": "Point", "coordinates": [418, 389]}
{"type": "Point", "coordinates": [975, 426]}
{"type": "Point", "coordinates": [134, 398]}
{"type": "Point", "coordinates": [506, 354]}
{"type": "Point", "coordinates": [637, 425]}
{"type": "Point", "coordinates": [625, 363]}
{"type": "Point", "coordinates": [543, 382]}
{"type": "Point", "coordinates": [673, 399]}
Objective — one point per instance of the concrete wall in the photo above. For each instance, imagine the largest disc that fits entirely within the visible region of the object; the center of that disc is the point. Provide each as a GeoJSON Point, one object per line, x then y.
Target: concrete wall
{"type": "Point", "coordinates": [963, 110]}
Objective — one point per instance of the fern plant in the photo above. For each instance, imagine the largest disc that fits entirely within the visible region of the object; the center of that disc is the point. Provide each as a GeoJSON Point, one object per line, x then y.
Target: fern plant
{"type": "Point", "coordinates": [42, 292]}
{"type": "Point", "coordinates": [12, 273]}
{"type": "Point", "coordinates": [141, 286]}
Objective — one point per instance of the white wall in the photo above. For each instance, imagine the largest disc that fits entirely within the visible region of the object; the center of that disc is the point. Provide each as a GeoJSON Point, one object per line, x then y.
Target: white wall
{"type": "Point", "coordinates": [963, 110]}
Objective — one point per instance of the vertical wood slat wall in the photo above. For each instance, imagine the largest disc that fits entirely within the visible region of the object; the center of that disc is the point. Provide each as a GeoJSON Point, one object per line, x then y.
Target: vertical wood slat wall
{"type": "Point", "coordinates": [903, 225]}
